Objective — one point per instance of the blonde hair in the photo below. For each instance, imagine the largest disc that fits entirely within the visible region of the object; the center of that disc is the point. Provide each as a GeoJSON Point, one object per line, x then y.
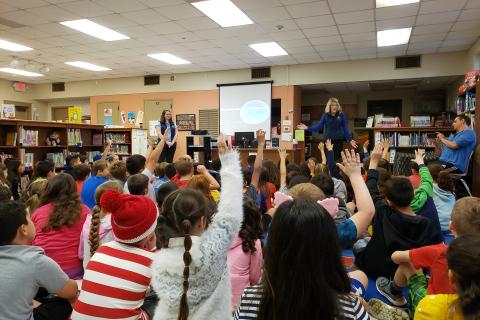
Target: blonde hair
{"type": "Point", "coordinates": [34, 192]}
{"type": "Point", "coordinates": [327, 107]}
{"type": "Point", "coordinates": [306, 190]}
{"type": "Point", "coordinates": [321, 168]}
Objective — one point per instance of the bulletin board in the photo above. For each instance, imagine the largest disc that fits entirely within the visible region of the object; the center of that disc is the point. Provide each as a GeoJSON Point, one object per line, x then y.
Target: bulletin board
{"type": "Point", "coordinates": [185, 122]}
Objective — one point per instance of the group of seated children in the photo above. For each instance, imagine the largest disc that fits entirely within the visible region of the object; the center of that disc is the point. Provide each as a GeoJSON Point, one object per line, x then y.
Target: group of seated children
{"type": "Point", "coordinates": [138, 239]}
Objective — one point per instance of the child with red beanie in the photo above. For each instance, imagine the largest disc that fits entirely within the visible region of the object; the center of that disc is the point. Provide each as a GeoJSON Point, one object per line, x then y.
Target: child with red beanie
{"type": "Point", "coordinates": [118, 275]}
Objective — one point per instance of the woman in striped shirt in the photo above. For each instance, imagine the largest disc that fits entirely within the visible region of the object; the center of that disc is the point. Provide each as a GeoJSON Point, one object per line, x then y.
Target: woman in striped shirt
{"type": "Point", "coordinates": [303, 277]}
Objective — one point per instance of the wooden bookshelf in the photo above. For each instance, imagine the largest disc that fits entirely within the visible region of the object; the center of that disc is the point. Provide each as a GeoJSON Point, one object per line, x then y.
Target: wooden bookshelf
{"type": "Point", "coordinates": [476, 157]}
{"type": "Point", "coordinates": [42, 130]}
{"type": "Point", "coordinates": [127, 141]}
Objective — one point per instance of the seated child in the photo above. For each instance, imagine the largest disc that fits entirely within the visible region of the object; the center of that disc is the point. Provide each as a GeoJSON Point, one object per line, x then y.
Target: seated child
{"type": "Point", "coordinates": [191, 270]}
{"type": "Point", "coordinates": [26, 269]}
{"type": "Point", "coordinates": [5, 193]}
{"type": "Point", "coordinates": [463, 258]}
{"type": "Point", "coordinates": [97, 228]}
{"type": "Point", "coordinates": [118, 275]}
{"type": "Point", "coordinates": [395, 226]}
{"type": "Point", "coordinates": [160, 176]}
{"type": "Point", "coordinates": [443, 195]}
{"type": "Point", "coordinates": [59, 221]}
{"type": "Point", "coordinates": [80, 173]}
{"type": "Point", "coordinates": [100, 174]}
{"type": "Point", "coordinates": [118, 171]}
{"type": "Point", "coordinates": [71, 161]}
{"type": "Point", "coordinates": [245, 257]}
{"type": "Point", "coordinates": [410, 263]}
{"type": "Point", "coordinates": [138, 184]}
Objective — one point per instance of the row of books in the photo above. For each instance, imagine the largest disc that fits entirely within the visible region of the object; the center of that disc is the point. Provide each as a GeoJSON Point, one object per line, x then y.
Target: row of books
{"type": "Point", "coordinates": [118, 137]}
{"type": "Point", "coordinates": [420, 121]}
{"type": "Point", "coordinates": [91, 154]}
{"type": "Point", "coordinates": [28, 137]}
{"type": "Point", "coordinates": [119, 149]}
{"type": "Point", "coordinates": [397, 139]}
{"type": "Point", "coordinates": [466, 103]}
{"type": "Point", "coordinates": [58, 158]}
{"type": "Point", "coordinates": [74, 137]}
{"type": "Point", "coordinates": [403, 160]}
{"type": "Point", "coordinates": [11, 139]}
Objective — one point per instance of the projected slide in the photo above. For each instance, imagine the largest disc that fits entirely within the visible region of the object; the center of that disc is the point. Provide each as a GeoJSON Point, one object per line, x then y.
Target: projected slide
{"type": "Point", "coordinates": [245, 108]}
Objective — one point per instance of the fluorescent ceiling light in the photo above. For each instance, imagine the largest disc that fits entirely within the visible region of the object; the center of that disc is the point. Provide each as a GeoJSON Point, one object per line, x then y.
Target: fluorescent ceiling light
{"type": "Point", "coordinates": [268, 49]}
{"type": "Point", "coordinates": [20, 72]}
{"type": "Point", "coordinates": [12, 46]}
{"type": "Point", "coordinates": [94, 29]}
{"type": "Point", "coordinates": [393, 37]}
{"type": "Point", "coordinates": [86, 65]}
{"type": "Point", "coordinates": [390, 3]}
{"type": "Point", "coordinates": [168, 58]}
{"type": "Point", "coordinates": [223, 12]}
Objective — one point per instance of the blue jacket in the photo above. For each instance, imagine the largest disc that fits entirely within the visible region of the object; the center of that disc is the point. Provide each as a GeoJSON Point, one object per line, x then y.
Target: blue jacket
{"type": "Point", "coordinates": [173, 128]}
{"type": "Point", "coordinates": [334, 127]}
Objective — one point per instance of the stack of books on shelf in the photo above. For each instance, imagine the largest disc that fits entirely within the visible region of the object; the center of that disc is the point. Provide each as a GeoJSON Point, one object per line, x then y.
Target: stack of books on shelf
{"type": "Point", "coordinates": [74, 137]}
{"type": "Point", "coordinates": [57, 158]}
{"type": "Point", "coordinates": [387, 122]}
{"type": "Point", "coordinates": [466, 103]}
{"type": "Point", "coordinates": [11, 139]}
{"type": "Point", "coordinates": [403, 160]}
{"type": "Point", "coordinates": [420, 121]}
{"type": "Point", "coordinates": [119, 149]}
{"type": "Point", "coordinates": [90, 155]}
{"type": "Point", "coordinates": [397, 139]}
{"type": "Point", "coordinates": [118, 137]}
{"type": "Point", "coordinates": [28, 138]}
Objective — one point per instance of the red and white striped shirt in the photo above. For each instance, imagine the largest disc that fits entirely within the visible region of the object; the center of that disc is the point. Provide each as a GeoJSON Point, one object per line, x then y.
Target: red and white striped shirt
{"type": "Point", "coordinates": [115, 283]}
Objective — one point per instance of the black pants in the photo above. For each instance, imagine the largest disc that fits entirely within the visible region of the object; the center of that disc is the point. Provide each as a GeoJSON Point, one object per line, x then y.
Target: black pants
{"type": "Point", "coordinates": [51, 308]}
{"type": "Point", "coordinates": [338, 147]}
{"type": "Point", "coordinates": [168, 153]}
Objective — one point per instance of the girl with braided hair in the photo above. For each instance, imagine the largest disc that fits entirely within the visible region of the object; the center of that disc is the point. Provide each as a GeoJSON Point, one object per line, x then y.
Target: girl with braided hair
{"type": "Point", "coordinates": [97, 228]}
{"type": "Point", "coordinates": [190, 272]}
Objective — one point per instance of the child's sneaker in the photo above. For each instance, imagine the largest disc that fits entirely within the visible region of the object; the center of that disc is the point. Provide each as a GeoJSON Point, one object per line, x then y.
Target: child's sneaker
{"type": "Point", "coordinates": [383, 287]}
{"type": "Point", "coordinates": [382, 311]}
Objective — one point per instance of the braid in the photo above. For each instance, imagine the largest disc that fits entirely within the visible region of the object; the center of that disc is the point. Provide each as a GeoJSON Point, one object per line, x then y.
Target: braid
{"type": "Point", "coordinates": [187, 260]}
{"type": "Point", "coordinates": [248, 237]}
{"type": "Point", "coordinates": [94, 237]}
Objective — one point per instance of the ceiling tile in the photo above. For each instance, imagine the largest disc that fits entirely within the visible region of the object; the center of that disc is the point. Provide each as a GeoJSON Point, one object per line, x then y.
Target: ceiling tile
{"type": "Point", "coordinates": [217, 33]}
{"type": "Point", "coordinates": [315, 22]}
{"type": "Point", "coordinates": [25, 4]}
{"type": "Point", "coordinates": [441, 6]}
{"type": "Point", "coordinates": [348, 5]}
{"type": "Point", "coordinates": [424, 45]}
{"type": "Point", "coordinates": [161, 3]}
{"type": "Point", "coordinates": [197, 23]}
{"type": "Point", "coordinates": [278, 26]}
{"type": "Point", "coordinates": [255, 4]}
{"type": "Point", "coordinates": [165, 28]}
{"type": "Point", "coordinates": [121, 5]}
{"type": "Point", "coordinates": [428, 37]}
{"type": "Point", "coordinates": [421, 51]}
{"type": "Point", "coordinates": [329, 47]}
{"type": "Point", "coordinates": [184, 37]}
{"type": "Point", "coordinates": [358, 37]}
{"type": "Point", "coordinates": [320, 32]}
{"type": "Point", "coordinates": [354, 17]}
{"type": "Point", "coordinates": [396, 11]}
{"type": "Point", "coordinates": [23, 17]}
{"type": "Point", "coordinates": [287, 35]}
{"type": "Point", "coordinates": [453, 48]}
{"type": "Point", "coordinates": [147, 16]}
{"type": "Point", "coordinates": [470, 14]}
{"type": "Point", "coordinates": [302, 50]}
{"type": "Point", "coordinates": [30, 32]}
{"type": "Point", "coordinates": [472, 4]}
{"type": "Point", "coordinates": [356, 27]}
{"type": "Point", "coordinates": [458, 42]}
{"type": "Point", "coordinates": [326, 54]}
{"type": "Point", "coordinates": [361, 44]}
{"type": "Point", "coordinates": [135, 31]}
{"type": "Point", "coordinates": [463, 35]}
{"type": "Point", "coordinates": [326, 40]}
{"type": "Point", "coordinates": [425, 19]}
{"type": "Point", "coordinates": [361, 51]}
{"type": "Point", "coordinates": [113, 21]}
{"type": "Point", "coordinates": [317, 8]}
{"type": "Point", "coordinates": [55, 29]}
{"type": "Point", "coordinates": [397, 23]}
{"type": "Point", "coordinates": [433, 28]}
{"type": "Point", "coordinates": [183, 11]}
{"type": "Point", "coordinates": [466, 25]}
{"type": "Point", "coordinates": [53, 13]}
{"type": "Point", "coordinates": [85, 8]}
{"type": "Point", "coordinates": [4, 7]}
{"type": "Point", "coordinates": [293, 43]}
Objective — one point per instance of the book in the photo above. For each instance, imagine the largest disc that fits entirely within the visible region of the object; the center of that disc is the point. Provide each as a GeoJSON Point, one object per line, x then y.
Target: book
{"type": "Point", "coordinates": [8, 111]}
{"type": "Point", "coordinates": [369, 123]}
{"type": "Point", "coordinates": [75, 114]}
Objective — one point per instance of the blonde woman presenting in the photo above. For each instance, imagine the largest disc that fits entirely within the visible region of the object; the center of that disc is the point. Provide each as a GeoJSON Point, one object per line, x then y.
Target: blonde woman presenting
{"type": "Point", "coordinates": [333, 124]}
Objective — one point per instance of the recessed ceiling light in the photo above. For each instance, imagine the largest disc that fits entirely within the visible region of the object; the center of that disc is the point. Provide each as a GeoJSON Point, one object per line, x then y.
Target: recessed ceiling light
{"type": "Point", "coordinates": [393, 37]}
{"type": "Point", "coordinates": [268, 49]}
{"type": "Point", "coordinates": [88, 66]}
{"type": "Point", "coordinates": [94, 29]}
{"type": "Point", "coordinates": [12, 46]}
{"type": "Point", "coordinates": [20, 72]}
{"type": "Point", "coordinates": [223, 12]}
{"type": "Point", "coordinates": [168, 58]}
{"type": "Point", "coordinates": [390, 3]}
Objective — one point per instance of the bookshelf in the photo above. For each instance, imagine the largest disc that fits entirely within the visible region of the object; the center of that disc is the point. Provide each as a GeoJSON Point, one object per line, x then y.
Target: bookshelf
{"type": "Point", "coordinates": [127, 141]}
{"type": "Point", "coordinates": [466, 103]}
{"type": "Point", "coordinates": [26, 140]}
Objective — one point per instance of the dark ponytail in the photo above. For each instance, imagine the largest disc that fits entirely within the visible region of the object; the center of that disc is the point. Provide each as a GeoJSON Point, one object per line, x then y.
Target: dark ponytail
{"type": "Point", "coordinates": [187, 260]}
{"type": "Point", "coordinates": [463, 258]}
{"type": "Point", "coordinates": [94, 236]}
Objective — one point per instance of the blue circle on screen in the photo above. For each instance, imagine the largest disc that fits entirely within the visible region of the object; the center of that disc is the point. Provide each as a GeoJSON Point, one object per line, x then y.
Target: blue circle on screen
{"type": "Point", "coordinates": [254, 112]}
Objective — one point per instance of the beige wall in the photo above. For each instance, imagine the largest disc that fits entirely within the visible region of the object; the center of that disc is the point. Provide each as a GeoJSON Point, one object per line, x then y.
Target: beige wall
{"type": "Point", "coordinates": [473, 57]}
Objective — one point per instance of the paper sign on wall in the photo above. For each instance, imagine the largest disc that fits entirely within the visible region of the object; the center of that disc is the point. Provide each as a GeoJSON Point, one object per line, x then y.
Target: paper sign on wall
{"type": "Point", "coordinates": [287, 136]}
{"type": "Point", "coordinates": [139, 118]}
{"type": "Point", "coordinates": [75, 114]}
{"type": "Point", "coordinates": [300, 135]}
{"type": "Point", "coordinates": [131, 117]}
{"type": "Point", "coordinates": [8, 111]}
{"type": "Point", "coordinates": [287, 122]}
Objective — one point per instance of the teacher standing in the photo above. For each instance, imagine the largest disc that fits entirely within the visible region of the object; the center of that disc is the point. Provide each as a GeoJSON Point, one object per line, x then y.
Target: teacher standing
{"type": "Point", "coordinates": [171, 143]}
{"type": "Point", "coordinates": [333, 124]}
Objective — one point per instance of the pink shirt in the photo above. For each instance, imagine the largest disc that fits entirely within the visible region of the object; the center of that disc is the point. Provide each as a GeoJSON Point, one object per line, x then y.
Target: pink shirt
{"type": "Point", "coordinates": [415, 180]}
{"type": "Point", "coordinates": [60, 245]}
{"type": "Point", "coordinates": [245, 268]}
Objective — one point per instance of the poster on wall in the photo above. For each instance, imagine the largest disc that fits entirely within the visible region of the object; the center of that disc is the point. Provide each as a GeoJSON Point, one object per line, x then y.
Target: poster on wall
{"type": "Point", "coordinates": [108, 116]}
{"type": "Point", "coordinates": [131, 117]}
{"type": "Point", "coordinates": [185, 122]}
{"type": "Point", "coordinates": [8, 111]}
{"type": "Point", "coordinates": [75, 114]}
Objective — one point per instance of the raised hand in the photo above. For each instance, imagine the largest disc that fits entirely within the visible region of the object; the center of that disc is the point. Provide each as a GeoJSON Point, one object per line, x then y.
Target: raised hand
{"type": "Point", "coordinates": [302, 126]}
{"type": "Point", "coordinates": [365, 145]}
{"type": "Point", "coordinates": [201, 169]}
{"type": "Point", "coordinates": [354, 144]}
{"type": "Point", "coordinates": [419, 156]}
{"type": "Point", "coordinates": [261, 137]}
{"type": "Point", "coordinates": [282, 152]}
{"type": "Point", "coordinates": [375, 156]}
{"type": "Point", "coordinates": [329, 145]}
{"type": "Point", "coordinates": [386, 144]}
{"type": "Point", "coordinates": [321, 146]}
{"type": "Point", "coordinates": [351, 164]}
{"type": "Point", "coordinates": [222, 145]}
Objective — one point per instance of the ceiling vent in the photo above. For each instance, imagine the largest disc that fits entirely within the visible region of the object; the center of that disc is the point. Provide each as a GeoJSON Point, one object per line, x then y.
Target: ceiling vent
{"type": "Point", "coordinates": [151, 80]}
{"type": "Point", "coordinates": [259, 73]}
{"type": "Point", "coordinates": [58, 86]}
{"type": "Point", "coordinates": [407, 62]}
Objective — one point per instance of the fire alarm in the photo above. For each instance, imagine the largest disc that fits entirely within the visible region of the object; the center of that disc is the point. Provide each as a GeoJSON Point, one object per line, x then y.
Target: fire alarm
{"type": "Point", "coordinates": [19, 86]}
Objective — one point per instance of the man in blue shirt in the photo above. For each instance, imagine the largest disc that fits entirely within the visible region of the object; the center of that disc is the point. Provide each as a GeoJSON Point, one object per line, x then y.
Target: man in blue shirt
{"type": "Point", "coordinates": [458, 147]}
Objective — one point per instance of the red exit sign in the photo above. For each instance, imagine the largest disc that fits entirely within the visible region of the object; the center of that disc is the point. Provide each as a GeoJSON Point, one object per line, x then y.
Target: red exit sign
{"type": "Point", "coordinates": [20, 86]}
